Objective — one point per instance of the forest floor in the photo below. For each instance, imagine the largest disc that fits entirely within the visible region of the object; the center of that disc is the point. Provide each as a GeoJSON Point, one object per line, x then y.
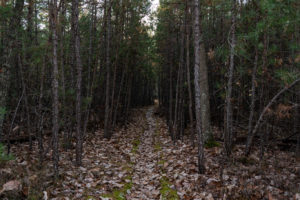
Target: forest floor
{"type": "Point", "coordinates": [142, 162]}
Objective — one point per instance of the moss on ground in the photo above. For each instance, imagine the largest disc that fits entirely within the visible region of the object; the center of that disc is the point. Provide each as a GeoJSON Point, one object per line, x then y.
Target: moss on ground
{"type": "Point", "coordinates": [167, 193]}
{"type": "Point", "coordinates": [157, 147]}
{"type": "Point", "coordinates": [212, 143]}
{"type": "Point", "coordinates": [161, 162]}
{"type": "Point", "coordinates": [120, 194]}
{"type": "Point", "coordinates": [135, 144]}
{"type": "Point", "coordinates": [246, 161]}
{"type": "Point", "coordinates": [90, 198]}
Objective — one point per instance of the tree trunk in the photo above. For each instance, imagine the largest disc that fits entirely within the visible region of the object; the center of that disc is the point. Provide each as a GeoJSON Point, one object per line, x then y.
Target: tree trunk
{"type": "Point", "coordinates": [170, 98]}
{"type": "Point", "coordinates": [55, 100]}
{"type": "Point", "coordinates": [228, 139]}
{"type": "Point", "coordinates": [197, 38]}
{"type": "Point", "coordinates": [91, 65]}
{"type": "Point", "coordinates": [188, 76]}
{"type": "Point", "coordinates": [76, 37]}
{"type": "Point", "coordinates": [107, 133]}
{"type": "Point", "coordinates": [253, 97]}
{"type": "Point", "coordinates": [297, 123]}
{"type": "Point", "coordinates": [204, 98]}
{"type": "Point", "coordinates": [39, 127]}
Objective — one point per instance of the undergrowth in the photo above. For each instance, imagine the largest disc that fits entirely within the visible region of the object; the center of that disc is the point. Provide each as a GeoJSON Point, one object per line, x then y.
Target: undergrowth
{"type": "Point", "coordinates": [3, 156]}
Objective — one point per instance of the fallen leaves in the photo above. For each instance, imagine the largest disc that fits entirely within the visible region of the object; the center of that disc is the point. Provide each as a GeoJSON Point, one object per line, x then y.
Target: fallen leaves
{"type": "Point", "coordinates": [142, 162]}
{"type": "Point", "coordinates": [14, 185]}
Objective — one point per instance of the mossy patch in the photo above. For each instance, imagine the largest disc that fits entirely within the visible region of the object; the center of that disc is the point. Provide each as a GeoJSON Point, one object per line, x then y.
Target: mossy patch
{"type": "Point", "coordinates": [3, 156]}
{"type": "Point", "coordinates": [157, 147]}
{"type": "Point", "coordinates": [246, 161]}
{"type": "Point", "coordinates": [135, 144]}
{"type": "Point", "coordinates": [212, 143]}
{"type": "Point", "coordinates": [119, 194]}
{"type": "Point", "coordinates": [34, 196]}
{"type": "Point", "coordinates": [161, 162]}
{"type": "Point", "coordinates": [90, 198]}
{"type": "Point", "coordinates": [167, 193]}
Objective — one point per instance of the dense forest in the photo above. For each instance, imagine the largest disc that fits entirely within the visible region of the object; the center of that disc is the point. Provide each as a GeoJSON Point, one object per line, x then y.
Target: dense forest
{"type": "Point", "coordinates": [149, 99]}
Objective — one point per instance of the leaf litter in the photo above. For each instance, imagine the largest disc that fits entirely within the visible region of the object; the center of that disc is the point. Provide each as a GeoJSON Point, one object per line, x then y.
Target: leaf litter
{"type": "Point", "coordinates": [142, 162]}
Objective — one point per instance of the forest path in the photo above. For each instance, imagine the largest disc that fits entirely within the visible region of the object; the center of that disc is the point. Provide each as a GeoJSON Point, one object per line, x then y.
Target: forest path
{"type": "Point", "coordinates": [140, 161]}
{"type": "Point", "coordinates": [146, 177]}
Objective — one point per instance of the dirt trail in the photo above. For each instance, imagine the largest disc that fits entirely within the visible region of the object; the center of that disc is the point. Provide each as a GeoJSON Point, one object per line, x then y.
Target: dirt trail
{"type": "Point", "coordinates": [146, 177]}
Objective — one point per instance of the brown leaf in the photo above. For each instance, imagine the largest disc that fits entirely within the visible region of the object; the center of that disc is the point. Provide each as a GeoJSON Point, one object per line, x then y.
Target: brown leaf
{"type": "Point", "coordinates": [11, 186]}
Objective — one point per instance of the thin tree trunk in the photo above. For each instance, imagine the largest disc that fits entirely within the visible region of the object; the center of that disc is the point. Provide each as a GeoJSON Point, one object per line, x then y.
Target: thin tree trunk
{"type": "Point", "coordinates": [204, 98]}
{"type": "Point", "coordinates": [297, 124]}
{"type": "Point", "coordinates": [24, 86]}
{"type": "Point", "coordinates": [90, 62]}
{"type": "Point", "coordinates": [119, 93]}
{"type": "Point", "coordinates": [76, 37]}
{"type": "Point", "coordinates": [228, 128]}
{"type": "Point", "coordinates": [12, 122]}
{"type": "Point", "coordinates": [39, 115]}
{"type": "Point", "coordinates": [175, 122]}
{"type": "Point", "coordinates": [188, 75]}
{"type": "Point", "coordinates": [107, 133]}
{"type": "Point", "coordinates": [180, 86]}
{"type": "Point", "coordinates": [253, 97]}
{"type": "Point", "coordinates": [62, 70]}
{"type": "Point", "coordinates": [197, 38]}
{"type": "Point", "coordinates": [55, 100]}
{"type": "Point", "coordinates": [170, 98]}
{"type": "Point", "coordinates": [128, 103]}
{"type": "Point", "coordinates": [119, 38]}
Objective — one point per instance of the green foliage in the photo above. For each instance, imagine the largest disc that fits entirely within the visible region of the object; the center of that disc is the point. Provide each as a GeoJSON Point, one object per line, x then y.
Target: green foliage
{"type": "Point", "coordinates": [2, 112]}
{"type": "Point", "coordinates": [222, 53]}
{"type": "Point", "coordinates": [212, 143]}
{"type": "Point", "coordinates": [246, 161]}
{"type": "Point", "coordinates": [167, 193]}
{"type": "Point", "coordinates": [5, 12]}
{"type": "Point", "coordinates": [157, 147]}
{"type": "Point", "coordinates": [286, 76]}
{"type": "Point", "coordinates": [120, 194]}
{"type": "Point", "coordinates": [85, 102]}
{"type": "Point", "coordinates": [3, 156]}
{"type": "Point", "coordinates": [135, 144]}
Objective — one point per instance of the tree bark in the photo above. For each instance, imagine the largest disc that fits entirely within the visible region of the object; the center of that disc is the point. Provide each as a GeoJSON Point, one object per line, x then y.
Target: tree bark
{"type": "Point", "coordinates": [188, 76]}
{"type": "Point", "coordinates": [76, 37]}
{"type": "Point", "coordinates": [228, 127]}
{"type": "Point", "coordinates": [197, 40]}
{"type": "Point", "coordinates": [204, 98]}
{"type": "Point", "coordinates": [253, 96]}
{"type": "Point", "coordinates": [39, 127]}
{"type": "Point", "coordinates": [91, 65]}
{"type": "Point", "coordinates": [107, 133]}
{"type": "Point", "coordinates": [171, 98]}
{"type": "Point", "coordinates": [55, 100]}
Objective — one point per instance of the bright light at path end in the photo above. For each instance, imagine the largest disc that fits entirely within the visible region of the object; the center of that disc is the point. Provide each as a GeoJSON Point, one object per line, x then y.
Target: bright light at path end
{"type": "Point", "coordinates": [153, 8]}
